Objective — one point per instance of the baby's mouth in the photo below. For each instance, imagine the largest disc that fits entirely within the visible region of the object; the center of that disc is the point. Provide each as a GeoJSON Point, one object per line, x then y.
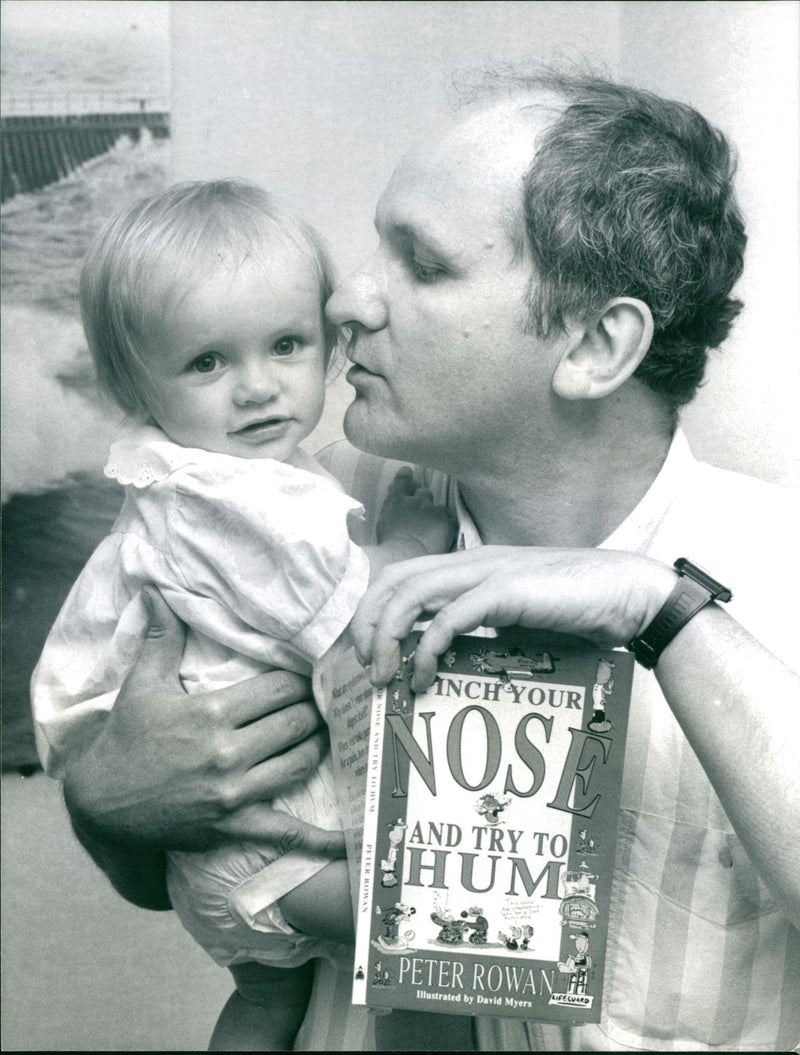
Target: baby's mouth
{"type": "Point", "coordinates": [262, 425]}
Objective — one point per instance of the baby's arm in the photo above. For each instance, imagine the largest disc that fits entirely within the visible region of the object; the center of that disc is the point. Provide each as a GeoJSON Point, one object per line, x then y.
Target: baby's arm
{"type": "Point", "coordinates": [410, 525]}
{"type": "Point", "coordinates": [322, 906]}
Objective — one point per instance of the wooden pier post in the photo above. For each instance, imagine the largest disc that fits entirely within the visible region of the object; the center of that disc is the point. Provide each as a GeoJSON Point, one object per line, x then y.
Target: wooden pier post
{"type": "Point", "coordinates": [38, 150]}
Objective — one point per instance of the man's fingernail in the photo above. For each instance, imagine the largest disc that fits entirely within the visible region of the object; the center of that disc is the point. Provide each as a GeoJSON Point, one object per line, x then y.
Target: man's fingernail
{"type": "Point", "coordinates": [377, 677]}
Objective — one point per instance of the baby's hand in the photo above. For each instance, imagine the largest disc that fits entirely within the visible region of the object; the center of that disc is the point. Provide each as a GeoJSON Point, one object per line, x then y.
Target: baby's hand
{"type": "Point", "coordinates": [411, 521]}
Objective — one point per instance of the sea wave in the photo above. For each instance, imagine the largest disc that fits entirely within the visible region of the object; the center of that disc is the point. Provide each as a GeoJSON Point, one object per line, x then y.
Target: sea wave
{"type": "Point", "coordinates": [45, 235]}
{"type": "Point", "coordinates": [54, 422]}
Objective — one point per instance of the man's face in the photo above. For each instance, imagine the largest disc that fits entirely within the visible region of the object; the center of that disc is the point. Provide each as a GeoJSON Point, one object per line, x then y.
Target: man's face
{"type": "Point", "coordinates": [443, 370]}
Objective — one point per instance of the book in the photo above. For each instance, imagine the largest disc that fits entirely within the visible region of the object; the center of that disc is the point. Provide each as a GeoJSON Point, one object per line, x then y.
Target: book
{"type": "Point", "coordinates": [482, 815]}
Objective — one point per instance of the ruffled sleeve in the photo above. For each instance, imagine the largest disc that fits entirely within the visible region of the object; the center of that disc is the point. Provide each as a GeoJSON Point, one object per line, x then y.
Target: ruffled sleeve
{"type": "Point", "coordinates": [264, 552]}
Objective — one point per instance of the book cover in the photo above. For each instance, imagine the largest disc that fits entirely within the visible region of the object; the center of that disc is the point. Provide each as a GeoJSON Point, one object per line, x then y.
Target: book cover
{"type": "Point", "coordinates": [489, 825]}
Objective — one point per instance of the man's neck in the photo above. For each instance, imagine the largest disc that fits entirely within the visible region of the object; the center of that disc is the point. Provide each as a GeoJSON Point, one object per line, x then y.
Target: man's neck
{"type": "Point", "coordinates": [575, 494]}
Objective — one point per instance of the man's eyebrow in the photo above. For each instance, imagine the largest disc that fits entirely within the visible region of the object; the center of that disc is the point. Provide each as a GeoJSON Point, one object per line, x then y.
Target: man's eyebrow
{"type": "Point", "coordinates": [406, 229]}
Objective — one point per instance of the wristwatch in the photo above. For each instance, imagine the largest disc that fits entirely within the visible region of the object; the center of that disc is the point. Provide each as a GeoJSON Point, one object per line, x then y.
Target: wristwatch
{"type": "Point", "coordinates": [694, 590]}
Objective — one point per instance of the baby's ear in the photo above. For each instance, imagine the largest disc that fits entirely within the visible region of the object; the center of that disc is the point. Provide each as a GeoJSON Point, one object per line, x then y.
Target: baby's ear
{"type": "Point", "coordinates": [605, 351]}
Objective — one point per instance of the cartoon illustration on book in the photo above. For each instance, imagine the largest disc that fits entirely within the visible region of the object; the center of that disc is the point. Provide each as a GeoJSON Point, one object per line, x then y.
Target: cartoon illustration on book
{"type": "Point", "coordinates": [471, 927]}
{"type": "Point", "coordinates": [578, 965]}
{"type": "Point", "coordinates": [478, 923]}
{"type": "Point", "coordinates": [397, 831]}
{"type": "Point", "coordinates": [586, 843]}
{"type": "Point", "coordinates": [601, 690]}
{"type": "Point", "coordinates": [517, 937]}
{"type": "Point", "coordinates": [578, 906]}
{"type": "Point", "coordinates": [380, 976]}
{"type": "Point", "coordinates": [399, 703]}
{"type": "Point", "coordinates": [393, 938]}
{"type": "Point", "coordinates": [402, 670]}
{"type": "Point", "coordinates": [511, 663]}
{"type": "Point", "coordinates": [491, 806]}
{"type": "Point", "coordinates": [451, 930]}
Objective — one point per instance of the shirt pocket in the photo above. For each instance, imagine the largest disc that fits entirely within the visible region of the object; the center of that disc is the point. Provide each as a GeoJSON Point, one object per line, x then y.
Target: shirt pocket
{"type": "Point", "coordinates": [697, 947]}
{"type": "Point", "coordinates": [703, 870]}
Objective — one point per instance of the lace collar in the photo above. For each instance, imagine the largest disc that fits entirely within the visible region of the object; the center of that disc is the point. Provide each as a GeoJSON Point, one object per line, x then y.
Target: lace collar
{"type": "Point", "coordinates": [146, 456]}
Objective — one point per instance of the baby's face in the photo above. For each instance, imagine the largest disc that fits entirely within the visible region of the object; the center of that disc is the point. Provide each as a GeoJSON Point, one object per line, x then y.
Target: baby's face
{"type": "Point", "coordinates": [238, 361]}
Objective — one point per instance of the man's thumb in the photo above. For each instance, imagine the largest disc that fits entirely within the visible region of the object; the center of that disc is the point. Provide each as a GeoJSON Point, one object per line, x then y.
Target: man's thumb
{"type": "Point", "coordinates": [259, 821]}
{"type": "Point", "coordinates": [162, 648]}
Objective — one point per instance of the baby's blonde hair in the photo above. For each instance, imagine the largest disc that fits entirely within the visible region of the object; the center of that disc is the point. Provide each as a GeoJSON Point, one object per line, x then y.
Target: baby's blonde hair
{"type": "Point", "coordinates": [189, 228]}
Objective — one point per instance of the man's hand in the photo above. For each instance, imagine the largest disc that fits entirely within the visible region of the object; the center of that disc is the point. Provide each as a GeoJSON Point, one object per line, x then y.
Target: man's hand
{"type": "Point", "coordinates": [604, 596]}
{"type": "Point", "coordinates": [173, 771]}
{"type": "Point", "coordinates": [410, 515]}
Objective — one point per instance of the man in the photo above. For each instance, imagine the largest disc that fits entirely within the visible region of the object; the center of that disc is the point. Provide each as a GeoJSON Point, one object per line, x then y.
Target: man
{"type": "Point", "coordinates": [549, 277]}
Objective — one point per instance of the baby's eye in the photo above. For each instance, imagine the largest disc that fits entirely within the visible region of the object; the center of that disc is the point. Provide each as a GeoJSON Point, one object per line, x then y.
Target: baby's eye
{"type": "Point", "coordinates": [286, 345]}
{"type": "Point", "coordinates": [206, 363]}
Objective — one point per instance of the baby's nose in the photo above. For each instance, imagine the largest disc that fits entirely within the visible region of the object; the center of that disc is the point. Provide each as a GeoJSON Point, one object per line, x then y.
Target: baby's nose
{"type": "Point", "coordinates": [256, 383]}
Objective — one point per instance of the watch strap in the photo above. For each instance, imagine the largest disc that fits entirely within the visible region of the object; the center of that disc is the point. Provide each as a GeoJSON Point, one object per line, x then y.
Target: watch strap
{"type": "Point", "coordinates": [692, 592]}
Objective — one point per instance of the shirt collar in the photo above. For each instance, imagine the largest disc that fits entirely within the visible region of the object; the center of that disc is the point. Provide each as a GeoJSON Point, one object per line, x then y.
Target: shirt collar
{"type": "Point", "coordinates": [635, 532]}
{"type": "Point", "coordinates": [468, 537]}
{"type": "Point", "coordinates": [144, 455]}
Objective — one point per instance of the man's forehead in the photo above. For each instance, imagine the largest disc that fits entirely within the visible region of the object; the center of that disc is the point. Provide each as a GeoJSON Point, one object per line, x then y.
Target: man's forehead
{"type": "Point", "coordinates": [491, 146]}
{"type": "Point", "coordinates": [508, 125]}
{"type": "Point", "coordinates": [476, 164]}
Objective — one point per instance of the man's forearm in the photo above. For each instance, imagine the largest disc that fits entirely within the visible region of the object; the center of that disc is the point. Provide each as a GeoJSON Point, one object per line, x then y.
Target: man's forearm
{"type": "Point", "coordinates": [737, 705]}
{"type": "Point", "coordinates": [735, 701]}
{"type": "Point", "coordinates": [138, 874]}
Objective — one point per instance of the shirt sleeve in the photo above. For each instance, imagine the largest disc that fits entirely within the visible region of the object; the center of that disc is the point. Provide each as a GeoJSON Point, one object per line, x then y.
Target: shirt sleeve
{"type": "Point", "coordinates": [266, 554]}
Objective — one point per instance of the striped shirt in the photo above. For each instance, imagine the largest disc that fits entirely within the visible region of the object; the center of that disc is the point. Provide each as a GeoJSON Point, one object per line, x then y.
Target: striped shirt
{"type": "Point", "coordinates": [700, 958]}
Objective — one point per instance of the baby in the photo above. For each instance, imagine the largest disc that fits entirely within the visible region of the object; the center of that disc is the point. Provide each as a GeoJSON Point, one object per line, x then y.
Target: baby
{"type": "Point", "coordinates": [204, 311]}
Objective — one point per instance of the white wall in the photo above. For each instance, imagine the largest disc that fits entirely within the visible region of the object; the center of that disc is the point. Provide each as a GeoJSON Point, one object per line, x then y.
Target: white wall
{"type": "Point", "coordinates": [739, 64]}
{"type": "Point", "coordinates": [318, 100]}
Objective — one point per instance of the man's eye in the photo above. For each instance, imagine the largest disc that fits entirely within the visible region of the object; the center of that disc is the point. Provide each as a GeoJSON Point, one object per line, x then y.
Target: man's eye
{"type": "Point", "coordinates": [285, 346]}
{"type": "Point", "coordinates": [206, 363]}
{"type": "Point", "coordinates": [426, 272]}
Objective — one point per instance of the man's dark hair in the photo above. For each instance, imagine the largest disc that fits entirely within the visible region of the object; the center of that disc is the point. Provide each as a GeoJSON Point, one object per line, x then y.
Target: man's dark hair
{"type": "Point", "coordinates": [632, 195]}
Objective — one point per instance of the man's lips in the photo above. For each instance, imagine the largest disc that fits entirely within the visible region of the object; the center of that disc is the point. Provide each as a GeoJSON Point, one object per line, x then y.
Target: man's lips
{"type": "Point", "coordinates": [358, 373]}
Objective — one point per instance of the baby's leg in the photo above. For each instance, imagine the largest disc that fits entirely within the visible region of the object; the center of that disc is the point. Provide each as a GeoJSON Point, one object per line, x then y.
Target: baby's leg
{"type": "Point", "coordinates": [266, 1010]}
{"type": "Point", "coordinates": [268, 1007]}
{"type": "Point", "coordinates": [321, 906]}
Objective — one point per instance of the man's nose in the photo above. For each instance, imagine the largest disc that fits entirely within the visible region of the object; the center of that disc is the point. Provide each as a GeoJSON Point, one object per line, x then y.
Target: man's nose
{"type": "Point", "coordinates": [256, 382]}
{"type": "Point", "coordinates": [360, 300]}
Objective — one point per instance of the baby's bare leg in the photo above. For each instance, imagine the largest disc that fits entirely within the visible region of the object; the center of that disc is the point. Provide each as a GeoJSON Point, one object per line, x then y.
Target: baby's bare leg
{"type": "Point", "coordinates": [267, 1009]}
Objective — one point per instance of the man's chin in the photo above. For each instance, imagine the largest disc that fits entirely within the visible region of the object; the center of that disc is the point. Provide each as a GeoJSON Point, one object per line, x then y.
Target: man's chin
{"type": "Point", "coordinates": [364, 432]}
{"type": "Point", "coordinates": [358, 432]}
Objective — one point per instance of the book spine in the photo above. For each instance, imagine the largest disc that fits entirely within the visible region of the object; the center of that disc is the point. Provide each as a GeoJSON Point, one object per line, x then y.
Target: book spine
{"type": "Point", "coordinates": [370, 846]}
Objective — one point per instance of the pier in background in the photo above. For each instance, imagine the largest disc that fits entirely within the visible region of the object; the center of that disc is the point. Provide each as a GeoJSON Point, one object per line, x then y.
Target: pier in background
{"type": "Point", "coordinates": [46, 138]}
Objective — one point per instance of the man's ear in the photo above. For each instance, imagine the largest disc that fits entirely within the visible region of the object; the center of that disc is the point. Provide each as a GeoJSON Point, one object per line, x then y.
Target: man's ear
{"type": "Point", "coordinates": [605, 351]}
